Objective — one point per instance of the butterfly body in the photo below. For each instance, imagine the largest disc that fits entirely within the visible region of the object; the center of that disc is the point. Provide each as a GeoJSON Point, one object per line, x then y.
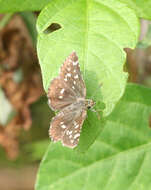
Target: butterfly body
{"type": "Point", "coordinates": [67, 93]}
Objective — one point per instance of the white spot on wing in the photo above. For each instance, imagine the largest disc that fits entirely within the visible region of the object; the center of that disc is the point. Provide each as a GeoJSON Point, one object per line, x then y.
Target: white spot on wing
{"type": "Point", "coordinates": [75, 123]}
{"type": "Point", "coordinates": [76, 126]}
{"type": "Point", "coordinates": [74, 82]}
{"type": "Point", "coordinates": [62, 91]}
{"type": "Point", "coordinates": [70, 136]}
{"type": "Point", "coordinates": [76, 76]}
{"type": "Point", "coordinates": [69, 61]}
{"type": "Point", "coordinates": [75, 62]}
{"type": "Point", "coordinates": [49, 102]}
{"type": "Point", "coordinates": [73, 87]}
{"type": "Point", "coordinates": [76, 135]}
{"type": "Point", "coordinates": [63, 126]}
{"type": "Point", "coordinates": [60, 97]}
{"type": "Point", "coordinates": [68, 74]}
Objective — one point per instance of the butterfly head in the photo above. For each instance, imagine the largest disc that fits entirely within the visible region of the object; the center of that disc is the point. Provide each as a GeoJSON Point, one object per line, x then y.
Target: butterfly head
{"type": "Point", "coordinates": [89, 103]}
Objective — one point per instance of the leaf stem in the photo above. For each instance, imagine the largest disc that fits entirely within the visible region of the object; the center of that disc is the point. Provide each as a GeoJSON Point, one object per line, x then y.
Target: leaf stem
{"type": "Point", "coordinates": [5, 20]}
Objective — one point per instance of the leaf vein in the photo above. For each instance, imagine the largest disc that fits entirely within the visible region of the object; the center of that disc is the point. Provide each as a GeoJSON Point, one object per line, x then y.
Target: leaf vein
{"type": "Point", "coordinates": [105, 159]}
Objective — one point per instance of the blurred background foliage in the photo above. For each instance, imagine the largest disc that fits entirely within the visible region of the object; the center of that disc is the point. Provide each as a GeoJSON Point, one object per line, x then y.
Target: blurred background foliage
{"type": "Point", "coordinates": [24, 112]}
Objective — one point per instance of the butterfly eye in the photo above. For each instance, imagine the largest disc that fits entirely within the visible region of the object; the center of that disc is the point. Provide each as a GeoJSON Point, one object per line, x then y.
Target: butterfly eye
{"type": "Point", "coordinates": [89, 107]}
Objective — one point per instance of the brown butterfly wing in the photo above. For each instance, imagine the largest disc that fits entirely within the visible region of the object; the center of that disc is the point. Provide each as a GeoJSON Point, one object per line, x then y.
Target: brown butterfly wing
{"type": "Point", "coordinates": [65, 89]}
{"type": "Point", "coordinates": [66, 125]}
{"type": "Point", "coordinates": [72, 134]}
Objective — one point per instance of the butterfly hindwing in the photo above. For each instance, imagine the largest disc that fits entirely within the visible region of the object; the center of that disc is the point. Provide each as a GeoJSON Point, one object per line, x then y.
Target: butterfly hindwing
{"type": "Point", "coordinates": [66, 126]}
{"type": "Point", "coordinates": [72, 134]}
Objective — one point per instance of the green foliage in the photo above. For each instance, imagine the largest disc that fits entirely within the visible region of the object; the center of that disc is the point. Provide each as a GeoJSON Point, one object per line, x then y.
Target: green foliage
{"type": "Point", "coordinates": [37, 149]}
{"type": "Point", "coordinates": [4, 21]}
{"type": "Point", "coordinates": [98, 33]}
{"type": "Point", "coordinates": [141, 7]}
{"type": "Point", "coordinates": [30, 21]}
{"type": "Point", "coordinates": [25, 5]}
{"type": "Point", "coordinates": [119, 158]}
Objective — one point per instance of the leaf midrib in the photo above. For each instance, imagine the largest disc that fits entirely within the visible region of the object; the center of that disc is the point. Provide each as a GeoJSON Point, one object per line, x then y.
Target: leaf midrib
{"type": "Point", "coordinates": [86, 39]}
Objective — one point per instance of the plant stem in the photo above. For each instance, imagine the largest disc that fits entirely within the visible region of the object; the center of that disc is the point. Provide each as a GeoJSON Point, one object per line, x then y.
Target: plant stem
{"type": "Point", "coordinates": [5, 20]}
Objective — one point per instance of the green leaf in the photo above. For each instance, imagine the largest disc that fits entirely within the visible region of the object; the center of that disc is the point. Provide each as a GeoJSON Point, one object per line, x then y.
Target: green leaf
{"type": "Point", "coordinates": [4, 21]}
{"type": "Point", "coordinates": [37, 149]}
{"type": "Point", "coordinates": [119, 158]}
{"type": "Point", "coordinates": [98, 33]}
{"type": "Point", "coordinates": [30, 21]}
{"type": "Point", "coordinates": [18, 5]}
{"type": "Point", "coordinates": [142, 8]}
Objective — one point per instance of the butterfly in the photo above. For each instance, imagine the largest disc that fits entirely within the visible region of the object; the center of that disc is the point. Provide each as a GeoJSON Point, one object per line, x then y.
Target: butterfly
{"type": "Point", "coordinates": [67, 94]}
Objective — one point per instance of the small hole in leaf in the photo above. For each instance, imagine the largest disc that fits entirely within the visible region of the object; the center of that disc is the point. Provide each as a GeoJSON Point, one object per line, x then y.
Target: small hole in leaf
{"type": "Point", "coordinates": [53, 27]}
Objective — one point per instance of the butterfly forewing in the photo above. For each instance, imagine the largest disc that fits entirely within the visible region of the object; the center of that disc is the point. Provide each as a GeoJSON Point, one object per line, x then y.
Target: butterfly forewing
{"type": "Point", "coordinates": [59, 96]}
{"type": "Point", "coordinates": [69, 85]}
{"type": "Point", "coordinates": [70, 73]}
